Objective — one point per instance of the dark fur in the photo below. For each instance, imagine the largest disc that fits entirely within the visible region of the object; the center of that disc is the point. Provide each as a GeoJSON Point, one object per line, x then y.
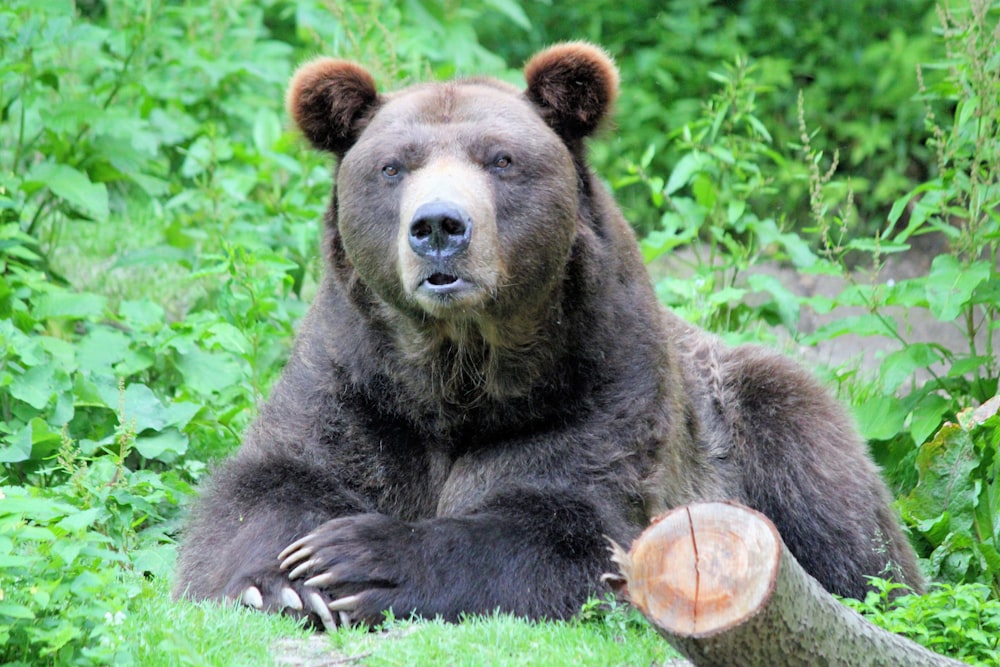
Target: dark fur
{"type": "Point", "coordinates": [466, 459]}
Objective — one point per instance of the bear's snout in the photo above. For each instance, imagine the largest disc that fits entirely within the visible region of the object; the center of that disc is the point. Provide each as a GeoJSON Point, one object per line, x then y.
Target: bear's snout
{"type": "Point", "coordinates": [440, 230]}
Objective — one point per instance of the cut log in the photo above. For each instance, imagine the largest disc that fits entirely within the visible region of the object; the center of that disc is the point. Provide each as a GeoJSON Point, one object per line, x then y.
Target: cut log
{"type": "Point", "coordinates": [719, 584]}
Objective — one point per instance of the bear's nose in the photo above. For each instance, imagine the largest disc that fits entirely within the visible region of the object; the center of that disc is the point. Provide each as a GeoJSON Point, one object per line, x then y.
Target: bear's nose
{"type": "Point", "coordinates": [440, 229]}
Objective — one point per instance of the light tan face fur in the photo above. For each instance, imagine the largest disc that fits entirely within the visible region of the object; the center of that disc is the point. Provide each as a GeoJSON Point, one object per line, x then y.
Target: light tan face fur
{"type": "Point", "coordinates": [455, 180]}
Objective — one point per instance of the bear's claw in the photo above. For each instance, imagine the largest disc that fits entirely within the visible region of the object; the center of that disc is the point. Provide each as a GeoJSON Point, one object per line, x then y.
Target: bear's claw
{"type": "Point", "coordinates": [251, 597]}
{"type": "Point", "coordinates": [318, 607]}
{"type": "Point", "coordinates": [288, 555]}
{"type": "Point", "coordinates": [343, 606]}
{"type": "Point", "coordinates": [290, 599]}
{"type": "Point", "coordinates": [320, 580]}
{"type": "Point", "coordinates": [302, 568]}
{"type": "Point", "coordinates": [346, 603]}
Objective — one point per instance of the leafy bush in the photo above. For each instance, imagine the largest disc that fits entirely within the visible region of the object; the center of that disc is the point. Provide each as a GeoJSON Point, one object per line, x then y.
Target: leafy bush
{"type": "Point", "coordinates": [63, 550]}
{"type": "Point", "coordinates": [953, 502]}
{"type": "Point", "coordinates": [727, 164]}
{"type": "Point", "coordinates": [961, 621]}
{"type": "Point", "coordinates": [855, 62]}
{"type": "Point", "coordinates": [954, 505]}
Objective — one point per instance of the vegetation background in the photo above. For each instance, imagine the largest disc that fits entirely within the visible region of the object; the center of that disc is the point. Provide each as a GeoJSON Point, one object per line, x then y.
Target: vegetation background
{"type": "Point", "coordinates": [159, 225]}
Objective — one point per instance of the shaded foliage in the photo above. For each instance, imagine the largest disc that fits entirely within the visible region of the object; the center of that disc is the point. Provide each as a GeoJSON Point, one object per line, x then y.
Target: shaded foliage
{"type": "Point", "coordinates": [159, 231]}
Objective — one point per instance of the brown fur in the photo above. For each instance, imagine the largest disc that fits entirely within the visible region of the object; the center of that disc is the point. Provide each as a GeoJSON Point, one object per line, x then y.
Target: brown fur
{"type": "Point", "coordinates": [574, 86]}
{"type": "Point", "coordinates": [326, 97]}
{"type": "Point", "coordinates": [462, 423]}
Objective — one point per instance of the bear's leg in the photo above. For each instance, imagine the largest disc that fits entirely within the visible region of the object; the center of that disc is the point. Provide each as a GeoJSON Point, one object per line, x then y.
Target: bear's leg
{"type": "Point", "coordinates": [251, 510]}
{"type": "Point", "coordinates": [803, 465]}
{"type": "Point", "coordinates": [531, 552]}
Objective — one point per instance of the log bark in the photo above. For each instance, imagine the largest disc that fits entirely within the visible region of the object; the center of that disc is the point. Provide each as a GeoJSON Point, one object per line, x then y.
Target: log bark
{"type": "Point", "coordinates": [719, 585]}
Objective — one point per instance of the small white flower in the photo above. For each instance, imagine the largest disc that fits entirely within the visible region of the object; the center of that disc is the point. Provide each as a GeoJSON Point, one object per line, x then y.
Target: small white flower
{"type": "Point", "coordinates": [114, 619]}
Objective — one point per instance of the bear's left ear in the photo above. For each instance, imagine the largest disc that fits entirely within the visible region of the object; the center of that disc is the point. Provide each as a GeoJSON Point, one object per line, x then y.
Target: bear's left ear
{"type": "Point", "coordinates": [328, 98]}
{"type": "Point", "coordinates": [573, 85]}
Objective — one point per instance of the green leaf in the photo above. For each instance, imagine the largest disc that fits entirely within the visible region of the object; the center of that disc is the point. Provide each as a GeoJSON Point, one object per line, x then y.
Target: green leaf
{"type": "Point", "coordinates": [38, 385]}
{"type": "Point", "coordinates": [947, 482]}
{"type": "Point", "coordinates": [685, 170]}
{"type": "Point", "coordinates": [145, 408]}
{"type": "Point", "coordinates": [159, 254]}
{"type": "Point", "coordinates": [759, 128]}
{"type": "Point", "coordinates": [951, 560]}
{"type": "Point", "coordinates": [154, 560]}
{"type": "Point", "coordinates": [70, 305]}
{"type": "Point", "coordinates": [926, 417]}
{"type": "Point", "coordinates": [989, 554]}
{"type": "Point", "coordinates": [134, 362]}
{"type": "Point", "coordinates": [859, 325]}
{"type": "Point", "coordinates": [786, 302]}
{"type": "Point", "coordinates": [21, 502]}
{"type": "Point", "coordinates": [266, 129]}
{"type": "Point", "coordinates": [880, 417]}
{"type": "Point", "coordinates": [180, 413]}
{"type": "Point", "coordinates": [228, 337]}
{"type": "Point", "coordinates": [919, 213]}
{"type": "Point", "coordinates": [14, 610]}
{"type": "Point", "coordinates": [988, 292]}
{"type": "Point", "coordinates": [166, 445]}
{"type": "Point", "coordinates": [900, 365]}
{"type": "Point", "coordinates": [101, 349]}
{"type": "Point", "coordinates": [873, 245]}
{"type": "Point", "coordinates": [81, 520]}
{"type": "Point", "coordinates": [511, 10]}
{"type": "Point", "coordinates": [725, 296]}
{"type": "Point", "coordinates": [735, 210]}
{"type": "Point", "coordinates": [798, 250]}
{"type": "Point", "coordinates": [18, 447]}
{"type": "Point", "coordinates": [144, 313]}
{"type": "Point", "coordinates": [658, 243]}
{"type": "Point", "coordinates": [208, 373]}
{"type": "Point", "coordinates": [206, 153]}
{"type": "Point", "coordinates": [647, 156]}
{"type": "Point", "coordinates": [140, 404]}
{"type": "Point", "coordinates": [934, 529]}
{"type": "Point", "coordinates": [950, 285]}
{"type": "Point", "coordinates": [72, 186]}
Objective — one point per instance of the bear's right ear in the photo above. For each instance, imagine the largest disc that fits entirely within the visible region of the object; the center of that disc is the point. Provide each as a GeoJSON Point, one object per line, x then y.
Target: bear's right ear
{"type": "Point", "coordinates": [327, 98]}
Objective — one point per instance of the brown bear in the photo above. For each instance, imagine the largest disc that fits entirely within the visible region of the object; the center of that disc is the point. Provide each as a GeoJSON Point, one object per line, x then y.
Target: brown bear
{"type": "Point", "coordinates": [485, 389]}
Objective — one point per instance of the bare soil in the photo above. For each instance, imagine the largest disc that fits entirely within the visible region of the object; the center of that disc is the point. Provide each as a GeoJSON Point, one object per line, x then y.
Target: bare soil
{"type": "Point", "coordinates": [865, 353]}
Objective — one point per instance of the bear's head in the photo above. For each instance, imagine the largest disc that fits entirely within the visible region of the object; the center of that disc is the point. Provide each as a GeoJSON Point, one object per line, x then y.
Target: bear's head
{"type": "Point", "coordinates": [457, 200]}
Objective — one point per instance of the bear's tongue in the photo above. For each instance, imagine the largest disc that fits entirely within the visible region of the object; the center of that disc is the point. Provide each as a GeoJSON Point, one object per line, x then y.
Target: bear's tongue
{"type": "Point", "coordinates": [442, 279]}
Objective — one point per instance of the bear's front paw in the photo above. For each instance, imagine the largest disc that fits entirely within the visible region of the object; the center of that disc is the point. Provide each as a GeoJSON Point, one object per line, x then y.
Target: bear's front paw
{"type": "Point", "coordinates": [362, 563]}
{"type": "Point", "coordinates": [270, 590]}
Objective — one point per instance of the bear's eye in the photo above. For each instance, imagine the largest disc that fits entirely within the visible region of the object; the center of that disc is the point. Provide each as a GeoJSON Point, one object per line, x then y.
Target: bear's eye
{"type": "Point", "coordinates": [390, 171]}
{"type": "Point", "coordinates": [501, 162]}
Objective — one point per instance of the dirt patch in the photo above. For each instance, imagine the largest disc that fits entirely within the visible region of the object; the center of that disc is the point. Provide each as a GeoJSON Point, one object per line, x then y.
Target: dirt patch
{"type": "Point", "coordinates": [312, 651]}
{"type": "Point", "coordinates": [866, 353]}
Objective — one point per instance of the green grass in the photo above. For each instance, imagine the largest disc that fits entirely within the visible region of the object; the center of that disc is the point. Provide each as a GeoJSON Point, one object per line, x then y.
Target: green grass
{"type": "Point", "coordinates": [502, 640]}
{"type": "Point", "coordinates": [157, 631]}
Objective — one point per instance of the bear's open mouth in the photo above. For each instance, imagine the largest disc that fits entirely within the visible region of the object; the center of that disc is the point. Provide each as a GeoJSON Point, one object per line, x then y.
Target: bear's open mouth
{"type": "Point", "coordinates": [441, 285]}
{"type": "Point", "coordinates": [442, 280]}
